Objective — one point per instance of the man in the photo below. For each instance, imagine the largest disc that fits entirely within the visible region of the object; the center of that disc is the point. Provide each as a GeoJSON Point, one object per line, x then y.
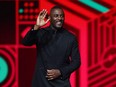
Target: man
{"type": "Point", "coordinates": [57, 51]}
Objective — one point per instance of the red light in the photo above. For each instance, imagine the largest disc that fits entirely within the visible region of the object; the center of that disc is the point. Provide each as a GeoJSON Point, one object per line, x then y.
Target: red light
{"type": "Point", "coordinates": [26, 4]}
{"type": "Point", "coordinates": [26, 16]}
{"type": "Point", "coordinates": [36, 10]}
{"type": "Point", "coordinates": [21, 17]}
{"type": "Point", "coordinates": [31, 16]}
{"type": "Point", "coordinates": [26, 10]}
{"type": "Point", "coordinates": [31, 4]}
{"type": "Point", "coordinates": [31, 10]}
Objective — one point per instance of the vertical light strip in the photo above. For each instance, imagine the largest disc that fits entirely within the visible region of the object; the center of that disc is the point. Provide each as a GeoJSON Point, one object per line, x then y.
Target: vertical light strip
{"type": "Point", "coordinates": [84, 58]}
{"type": "Point", "coordinates": [17, 39]}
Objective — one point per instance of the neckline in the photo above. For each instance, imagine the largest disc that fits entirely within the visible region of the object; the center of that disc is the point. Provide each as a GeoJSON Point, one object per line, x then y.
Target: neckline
{"type": "Point", "coordinates": [59, 30]}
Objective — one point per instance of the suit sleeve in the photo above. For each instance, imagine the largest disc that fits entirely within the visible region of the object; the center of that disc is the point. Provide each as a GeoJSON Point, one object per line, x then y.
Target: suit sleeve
{"type": "Point", "coordinates": [74, 63]}
{"type": "Point", "coordinates": [30, 37]}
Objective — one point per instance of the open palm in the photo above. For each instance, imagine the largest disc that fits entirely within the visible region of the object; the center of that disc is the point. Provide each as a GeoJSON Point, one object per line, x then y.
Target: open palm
{"type": "Point", "coordinates": [41, 18]}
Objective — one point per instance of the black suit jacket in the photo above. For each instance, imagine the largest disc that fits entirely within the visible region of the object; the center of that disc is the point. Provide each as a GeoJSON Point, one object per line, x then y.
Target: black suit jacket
{"type": "Point", "coordinates": [55, 50]}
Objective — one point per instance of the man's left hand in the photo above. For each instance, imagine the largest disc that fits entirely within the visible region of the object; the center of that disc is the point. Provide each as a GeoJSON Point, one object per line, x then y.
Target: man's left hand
{"type": "Point", "coordinates": [53, 74]}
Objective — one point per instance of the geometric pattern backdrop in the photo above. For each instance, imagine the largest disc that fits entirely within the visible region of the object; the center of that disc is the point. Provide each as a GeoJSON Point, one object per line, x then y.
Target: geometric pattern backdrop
{"type": "Point", "coordinates": [92, 21]}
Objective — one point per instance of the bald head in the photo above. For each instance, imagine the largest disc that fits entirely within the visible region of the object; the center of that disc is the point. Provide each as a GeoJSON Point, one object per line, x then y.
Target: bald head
{"type": "Point", "coordinates": [56, 17]}
{"type": "Point", "coordinates": [54, 8]}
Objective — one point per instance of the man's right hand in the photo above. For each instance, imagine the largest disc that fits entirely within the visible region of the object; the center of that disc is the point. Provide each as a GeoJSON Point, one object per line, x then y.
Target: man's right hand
{"type": "Point", "coordinates": [41, 19]}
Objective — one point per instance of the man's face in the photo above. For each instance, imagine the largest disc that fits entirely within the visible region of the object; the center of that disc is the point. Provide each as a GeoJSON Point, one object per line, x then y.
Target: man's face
{"type": "Point", "coordinates": [57, 18]}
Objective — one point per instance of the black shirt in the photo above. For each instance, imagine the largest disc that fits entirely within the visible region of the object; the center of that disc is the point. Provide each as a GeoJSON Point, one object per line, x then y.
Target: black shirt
{"type": "Point", "coordinates": [55, 50]}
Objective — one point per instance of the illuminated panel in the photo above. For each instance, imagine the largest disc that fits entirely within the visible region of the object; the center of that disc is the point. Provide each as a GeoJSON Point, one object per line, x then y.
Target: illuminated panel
{"type": "Point", "coordinates": [3, 69]}
{"type": "Point", "coordinates": [102, 50]}
{"type": "Point", "coordinates": [7, 30]}
{"type": "Point", "coordinates": [8, 59]}
{"type": "Point", "coordinates": [8, 49]}
{"type": "Point", "coordinates": [28, 10]}
{"type": "Point", "coordinates": [26, 66]}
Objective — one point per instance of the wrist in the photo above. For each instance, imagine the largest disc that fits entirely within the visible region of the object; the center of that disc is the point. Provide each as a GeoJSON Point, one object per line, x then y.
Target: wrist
{"type": "Point", "coordinates": [36, 27]}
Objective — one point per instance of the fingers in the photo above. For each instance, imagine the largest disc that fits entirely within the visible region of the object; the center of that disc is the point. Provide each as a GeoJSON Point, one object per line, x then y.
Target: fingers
{"type": "Point", "coordinates": [50, 75]}
{"type": "Point", "coordinates": [47, 20]}
{"type": "Point", "coordinates": [50, 78]}
{"type": "Point", "coordinates": [43, 13]}
{"type": "Point", "coordinates": [49, 71]}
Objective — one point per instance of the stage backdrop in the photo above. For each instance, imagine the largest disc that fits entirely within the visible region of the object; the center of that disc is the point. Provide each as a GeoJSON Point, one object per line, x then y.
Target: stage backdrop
{"type": "Point", "coordinates": [92, 21]}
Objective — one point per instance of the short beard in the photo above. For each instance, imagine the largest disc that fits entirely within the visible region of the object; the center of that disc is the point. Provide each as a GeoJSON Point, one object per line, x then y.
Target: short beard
{"type": "Point", "coordinates": [55, 28]}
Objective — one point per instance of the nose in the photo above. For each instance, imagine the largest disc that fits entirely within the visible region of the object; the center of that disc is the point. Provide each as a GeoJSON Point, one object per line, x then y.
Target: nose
{"type": "Point", "coordinates": [59, 17]}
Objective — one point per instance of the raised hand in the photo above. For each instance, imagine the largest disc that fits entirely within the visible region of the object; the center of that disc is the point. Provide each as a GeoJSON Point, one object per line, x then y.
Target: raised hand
{"type": "Point", "coordinates": [41, 19]}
